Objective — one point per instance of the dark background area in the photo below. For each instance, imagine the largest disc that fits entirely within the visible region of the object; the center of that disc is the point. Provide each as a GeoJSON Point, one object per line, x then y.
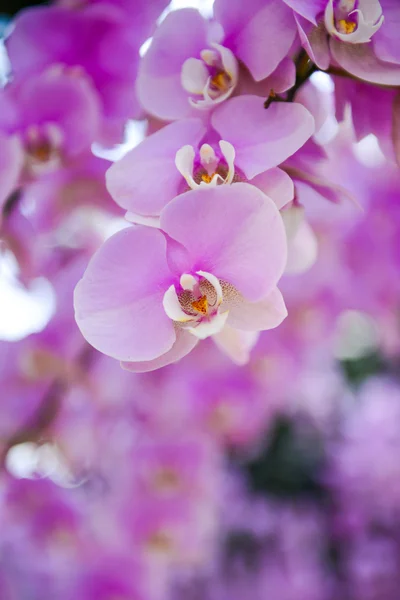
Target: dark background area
{"type": "Point", "coordinates": [11, 7]}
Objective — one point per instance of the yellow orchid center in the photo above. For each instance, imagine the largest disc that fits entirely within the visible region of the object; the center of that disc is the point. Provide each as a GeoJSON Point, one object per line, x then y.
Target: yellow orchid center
{"type": "Point", "coordinates": [207, 178]}
{"type": "Point", "coordinates": [346, 26]}
{"type": "Point", "coordinates": [221, 81]}
{"type": "Point", "coordinates": [201, 305]}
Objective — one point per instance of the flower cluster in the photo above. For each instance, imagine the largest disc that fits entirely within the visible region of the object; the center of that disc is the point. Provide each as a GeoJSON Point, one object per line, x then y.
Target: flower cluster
{"type": "Point", "coordinates": [208, 198]}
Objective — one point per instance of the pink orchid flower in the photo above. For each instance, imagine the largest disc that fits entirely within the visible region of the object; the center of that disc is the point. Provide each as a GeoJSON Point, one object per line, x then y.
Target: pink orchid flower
{"type": "Point", "coordinates": [148, 296]}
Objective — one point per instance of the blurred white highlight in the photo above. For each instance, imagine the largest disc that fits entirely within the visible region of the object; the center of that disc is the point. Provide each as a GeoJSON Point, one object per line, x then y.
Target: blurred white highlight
{"type": "Point", "coordinates": [368, 151]}
{"type": "Point", "coordinates": [32, 461]}
{"type": "Point", "coordinates": [21, 460]}
{"type": "Point", "coordinates": [4, 64]}
{"type": "Point", "coordinates": [205, 7]}
{"type": "Point", "coordinates": [356, 335]}
{"type": "Point", "coordinates": [22, 310]}
{"type": "Point", "coordinates": [323, 81]}
{"type": "Point", "coordinates": [135, 132]}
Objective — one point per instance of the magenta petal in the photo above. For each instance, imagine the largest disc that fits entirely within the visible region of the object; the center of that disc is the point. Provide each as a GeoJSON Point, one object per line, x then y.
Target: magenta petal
{"type": "Point", "coordinates": [146, 178]}
{"type": "Point", "coordinates": [386, 40]}
{"type": "Point", "coordinates": [309, 9]}
{"type": "Point", "coordinates": [316, 101]}
{"type": "Point", "coordinates": [118, 302]}
{"type": "Point", "coordinates": [234, 232]}
{"type": "Point", "coordinates": [182, 35]}
{"type": "Point", "coordinates": [258, 316]}
{"type": "Point", "coordinates": [396, 128]}
{"type": "Point", "coordinates": [314, 39]}
{"type": "Point", "coordinates": [98, 39]}
{"type": "Point", "coordinates": [68, 101]}
{"type": "Point", "coordinates": [276, 184]}
{"type": "Point", "coordinates": [262, 138]}
{"type": "Point", "coordinates": [360, 60]}
{"type": "Point", "coordinates": [9, 110]}
{"type": "Point", "coordinates": [259, 32]}
{"type": "Point", "coordinates": [184, 343]}
{"type": "Point", "coordinates": [46, 32]}
{"type": "Point", "coordinates": [11, 162]}
{"type": "Point", "coordinates": [283, 78]}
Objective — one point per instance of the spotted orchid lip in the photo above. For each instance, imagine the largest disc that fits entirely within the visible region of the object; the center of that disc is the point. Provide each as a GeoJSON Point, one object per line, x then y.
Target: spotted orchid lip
{"type": "Point", "coordinates": [196, 307]}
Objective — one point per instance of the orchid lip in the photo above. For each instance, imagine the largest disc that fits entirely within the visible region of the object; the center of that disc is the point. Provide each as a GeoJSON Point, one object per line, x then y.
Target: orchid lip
{"type": "Point", "coordinates": [348, 23]}
{"type": "Point", "coordinates": [214, 76]}
{"type": "Point", "coordinates": [210, 171]}
{"type": "Point", "coordinates": [196, 306]}
{"type": "Point", "coordinates": [43, 147]}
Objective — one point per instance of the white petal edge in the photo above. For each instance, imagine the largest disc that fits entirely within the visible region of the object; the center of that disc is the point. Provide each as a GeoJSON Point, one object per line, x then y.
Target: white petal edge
{"type": "Point", "coordinates": [173, 308]}
{"type": "Point", "coordinates": [142, 219]}
{"type": "Point", "coordinates": [194, 75]}
{"type": "Point", "coordinates": [184, 162]}
{"type": "Point", "coordinates": [214, 282]}
{"type": "Point", "coordinates": [184, 344]}
{"type": "Point", "coordinates": [211, 327]}
{"type": "Point", "coordinates": [208, 158]}
{"type": "Point", "coordinates": [228, 152]}
{"type": "Point", "coordinates": [229, 62]}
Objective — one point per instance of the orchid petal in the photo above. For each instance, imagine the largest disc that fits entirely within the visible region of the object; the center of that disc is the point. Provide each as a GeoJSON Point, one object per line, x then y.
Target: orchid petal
{"type": "Point", "coordinates": [146, 179]}
{"type": "Point", "coordinates": [236, 344]}
{"type": "Point", "coordinates": [118, 302]}
{"type": "Point", "coordinates": [11, 163]}
{"type": "Point", "coordinates": [235, 232]}
{"type": "Point", "coordinates": [207, 328]}
{"type": "Point", "coordinates": [214, 282]}
{"type": "Point", "coordinates": [182, 35]}
{"type": "Point", "coordinates": [194, 75]}
{"type": "Point", "coordinates": [256, 316]}
{"type": "Point", "coordinates": [229, 62]}
{"type": "Point", "coordinates": [276, 184]}
{"type": "Point", "coordinates": [361, 61]}
{"type": "Point", "coordinates": [262, 138]}
{"type": "Point", "coordinates": [261, 32]}
{"type": "Point", "coordinates": [228, 152]}
{"type": "Point", "coordinates": [184, 343]}
{"type": "Point", "coordinates": [184, 162]}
